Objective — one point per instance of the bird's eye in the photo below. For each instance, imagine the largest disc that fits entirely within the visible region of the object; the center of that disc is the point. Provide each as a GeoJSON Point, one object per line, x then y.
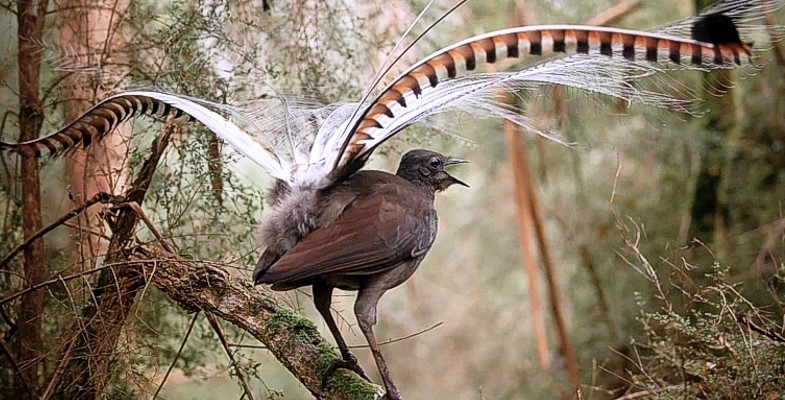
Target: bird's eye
{"type": "Point", "coordinates": [435, 162]}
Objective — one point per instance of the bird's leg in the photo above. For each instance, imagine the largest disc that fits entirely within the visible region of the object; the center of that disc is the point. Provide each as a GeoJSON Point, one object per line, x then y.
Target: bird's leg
{"type": "Point", "coordinates": [365, 310]}
{"type": "Point", "coordinates": [322, 297]}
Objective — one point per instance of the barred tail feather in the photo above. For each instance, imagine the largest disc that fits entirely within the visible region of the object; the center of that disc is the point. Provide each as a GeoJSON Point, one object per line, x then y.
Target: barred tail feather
{"type": "Point", "coordinates": [312, 146]}
{"type": "Point", "coordinates": [391, 110]}
{"type": "Point", "coordinates": [93, 125]}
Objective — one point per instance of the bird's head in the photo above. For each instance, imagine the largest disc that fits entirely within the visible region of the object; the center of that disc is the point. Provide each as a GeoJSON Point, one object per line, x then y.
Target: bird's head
{"type": "Point", "coordinates": [426, 168]}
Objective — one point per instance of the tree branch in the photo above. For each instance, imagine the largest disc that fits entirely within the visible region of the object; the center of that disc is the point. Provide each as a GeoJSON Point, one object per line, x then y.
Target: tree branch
{"type": "Point", "coordinates": [97, 198]}
{"type": "Point", "coordinates": [290, 337]}
{"type": "Point", "coordinates": [114, 295]}
{"type": "Point", "coordinates": [18, 371]}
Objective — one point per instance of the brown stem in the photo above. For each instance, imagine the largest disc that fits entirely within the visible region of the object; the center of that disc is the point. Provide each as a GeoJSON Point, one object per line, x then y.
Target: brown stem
{"type": "Point", "coordinates": [97, 198]}
{"type": "Point", "coordinates": [566, 349]}
{"type": "Point", "coordinates": [222, 338]}
{"type": "Point", "coordinates": [177, 356]}
{"type": "Point", "coordinates": [214, 167]}
{"type": "Point", "coordinates": [769, 333]}
{"type": "Point", "coordinates": [50, 389]}
{"type": "Point", "coordinates": [143, 216]}
{"type": "Point", "coordinates": [526, 239]}
{"type": "Point", "coordinates": [524, 221]}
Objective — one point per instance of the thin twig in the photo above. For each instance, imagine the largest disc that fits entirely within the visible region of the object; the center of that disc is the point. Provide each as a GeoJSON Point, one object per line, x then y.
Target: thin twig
{"type": "Point", "coordinates": [84, 229]}
{"type": "Point", "coordinates": [409, 336]}
{"type": "Point", "coordinates": [62, 278]}
{"type": "Point", "coordinates": [66, 357]}
{"type": "Point", "coordinates": [643, 393]}
{"type": "Point", "coordinates": [602, 299]}
{"type": "Point", "coordinates": [769, 333]}
{"type": "Point", "coordinates": [615, 180]}
{"type": "Point", "coordinates": [614, 13]}
{"type": "Point", "coordinates": [354, 346]}
{"type": "Point", "coordinates": [141, 214]}
{"type": "Point", "coordinates": [101, 197]}
{"type": "Point", "coordinates": [176, 356]}
{"type": "Point", "coordinates": [50, 389]}
{"type": "Point", "coordinates": [240, 375]}
{"type": "Point", "coordinates": [17, 370]}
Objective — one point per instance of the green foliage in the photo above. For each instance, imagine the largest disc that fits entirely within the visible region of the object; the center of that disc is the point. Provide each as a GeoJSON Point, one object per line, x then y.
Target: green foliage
{"type": "Point", "coordinates": [715, 344]}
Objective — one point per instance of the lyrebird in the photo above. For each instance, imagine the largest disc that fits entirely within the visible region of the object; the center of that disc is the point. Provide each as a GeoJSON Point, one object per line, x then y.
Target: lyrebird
{"type": "Point", "coordinates": [332, 225]}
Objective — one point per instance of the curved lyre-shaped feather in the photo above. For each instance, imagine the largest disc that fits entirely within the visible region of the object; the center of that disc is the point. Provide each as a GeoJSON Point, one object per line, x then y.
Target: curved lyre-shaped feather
{"type": "Point", "coordinates": [417, 90]}
{"type": "Point", "coordinates": [312, 147]}
{"type": "Point", "coordinates": [105, 116]}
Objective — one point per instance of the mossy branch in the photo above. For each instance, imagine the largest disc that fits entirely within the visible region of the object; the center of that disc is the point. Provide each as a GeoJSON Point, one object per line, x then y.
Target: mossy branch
{"type": "Point", "coordinates": [290, 337]}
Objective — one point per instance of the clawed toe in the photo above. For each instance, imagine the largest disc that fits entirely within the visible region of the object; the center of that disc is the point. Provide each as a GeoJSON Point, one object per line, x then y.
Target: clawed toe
{"type": "Point", "coordinates": [349, 363]}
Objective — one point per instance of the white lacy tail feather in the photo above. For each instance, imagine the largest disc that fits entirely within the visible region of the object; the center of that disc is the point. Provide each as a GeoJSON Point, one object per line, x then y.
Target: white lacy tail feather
{"type": "Point", "coordinates": [305, 143]}
{"type": "Point", "coordinates": [610, 61]}
{"type": "Point", "coordinates": [245, 144]}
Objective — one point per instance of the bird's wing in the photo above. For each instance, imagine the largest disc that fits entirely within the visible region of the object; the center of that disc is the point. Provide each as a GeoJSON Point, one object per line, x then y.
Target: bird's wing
{"type": "Point", "coordinates": [378, 232]}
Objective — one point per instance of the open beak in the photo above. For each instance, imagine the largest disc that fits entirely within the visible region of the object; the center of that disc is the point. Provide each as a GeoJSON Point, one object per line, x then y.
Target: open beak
{"type": "Point", "coordinates": [453, 161]}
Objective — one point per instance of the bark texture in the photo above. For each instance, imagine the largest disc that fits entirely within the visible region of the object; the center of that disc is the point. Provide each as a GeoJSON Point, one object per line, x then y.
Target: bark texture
{"type": "Point", "coordinates": [27, 340]}
{"type": "Point", "coordinates": [290, 337]}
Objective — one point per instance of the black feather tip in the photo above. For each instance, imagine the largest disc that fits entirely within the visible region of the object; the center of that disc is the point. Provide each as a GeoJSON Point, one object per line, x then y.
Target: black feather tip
{"type": "Point", "coordinates": [715, 29]}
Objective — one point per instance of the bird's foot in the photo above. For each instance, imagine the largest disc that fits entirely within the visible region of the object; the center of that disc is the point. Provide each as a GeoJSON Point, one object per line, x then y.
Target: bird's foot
{"type": "Point", "coordinates": [349, 361]}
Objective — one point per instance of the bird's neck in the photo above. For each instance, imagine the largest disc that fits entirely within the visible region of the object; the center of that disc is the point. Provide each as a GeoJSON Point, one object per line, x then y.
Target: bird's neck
{"type": "Point", "coordinates": [414, 179]}
{"type": "Point", "coordinates": [428, 190]}
{"type": "Point", "coordinates": [409, 175]}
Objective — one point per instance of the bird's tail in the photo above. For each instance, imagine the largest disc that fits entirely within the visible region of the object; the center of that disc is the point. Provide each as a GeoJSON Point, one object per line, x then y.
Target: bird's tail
{"type": "Point", "coordinates": [606, 60]}
{"type": "Point", "coordinates": [312, 146]}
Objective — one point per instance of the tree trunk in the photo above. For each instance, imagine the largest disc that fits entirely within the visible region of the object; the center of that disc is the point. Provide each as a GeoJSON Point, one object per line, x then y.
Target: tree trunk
{"type": "Point", "coordinates": [27, 341]}
{"type": "Point", "coordinates": [89, 30]}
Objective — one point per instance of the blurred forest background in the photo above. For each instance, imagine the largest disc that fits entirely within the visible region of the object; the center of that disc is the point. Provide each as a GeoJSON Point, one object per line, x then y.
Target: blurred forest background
{"type": "Point", "coordinates": [664, 231]}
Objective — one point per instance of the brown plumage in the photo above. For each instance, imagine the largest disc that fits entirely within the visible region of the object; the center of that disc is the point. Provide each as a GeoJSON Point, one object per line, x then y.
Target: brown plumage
{"type": "Point", "coordinates": [383, 229]}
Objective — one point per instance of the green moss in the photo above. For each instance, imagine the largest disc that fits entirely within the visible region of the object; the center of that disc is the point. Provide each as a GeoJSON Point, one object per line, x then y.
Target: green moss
{"type": "Point", "coordinates": [355, 387]}
{"type": "Point", "coordinates": [301, 329]}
